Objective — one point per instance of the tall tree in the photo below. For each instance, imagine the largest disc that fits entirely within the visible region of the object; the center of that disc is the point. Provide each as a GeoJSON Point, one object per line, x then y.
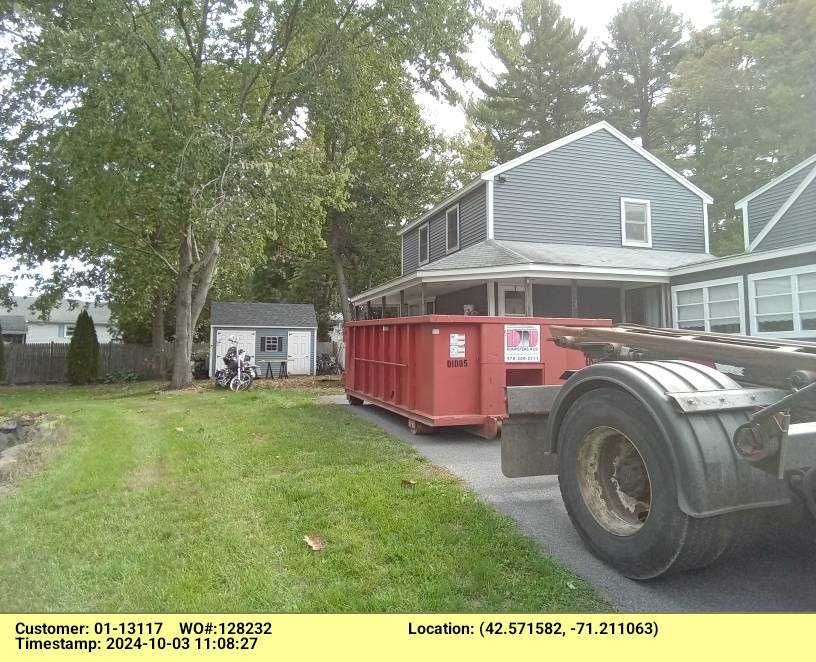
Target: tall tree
{"type": "Point", "coordinates": [741, 109]}
{"type": "Point", "coordinates": [167, 130]}
{"type": "Point", "coordinates": [549, 78]}
{"type": "Point", "coordinates": [645, 46]}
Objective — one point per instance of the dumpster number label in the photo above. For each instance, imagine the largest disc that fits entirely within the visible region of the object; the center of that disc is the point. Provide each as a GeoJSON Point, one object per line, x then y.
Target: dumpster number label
{"type": "Point", "coordinates": [457, 345]}
{"type": "Point", "coordinates": [522, 343]}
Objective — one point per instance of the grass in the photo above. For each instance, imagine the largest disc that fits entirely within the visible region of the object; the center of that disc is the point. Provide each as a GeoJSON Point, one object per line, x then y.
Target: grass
{"type": "Point", "coordinates": [135, 515]}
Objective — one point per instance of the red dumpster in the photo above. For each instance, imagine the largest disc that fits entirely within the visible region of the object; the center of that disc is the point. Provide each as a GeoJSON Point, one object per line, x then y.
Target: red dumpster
{"type": "Point", "coordinates": [441, 370]}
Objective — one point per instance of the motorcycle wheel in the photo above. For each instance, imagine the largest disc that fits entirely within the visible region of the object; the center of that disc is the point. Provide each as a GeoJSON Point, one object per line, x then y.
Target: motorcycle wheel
{"type": "Point", "coordinates": [241, 382]}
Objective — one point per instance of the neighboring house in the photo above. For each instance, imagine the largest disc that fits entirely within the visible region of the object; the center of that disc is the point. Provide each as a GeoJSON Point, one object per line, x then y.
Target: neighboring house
{"type": "Point", "coordinates": [14, 328]}
{"type": "Point", "coordinates": [58, 326]}
{"type": "Point", "coordinates": [771, 288]}
{"type": "Point", "coordinates": [590, 225]}
{"type": "Point", "coordinates": [272, 333]}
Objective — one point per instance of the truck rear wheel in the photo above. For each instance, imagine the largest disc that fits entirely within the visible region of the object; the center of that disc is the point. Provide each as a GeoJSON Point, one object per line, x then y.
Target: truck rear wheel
{"type": "Point", "coordinates": [618, 483]}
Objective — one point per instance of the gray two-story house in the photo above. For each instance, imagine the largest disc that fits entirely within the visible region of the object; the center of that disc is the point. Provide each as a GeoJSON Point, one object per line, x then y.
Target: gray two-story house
{"type": "Point", "coordinates": [590, 225]}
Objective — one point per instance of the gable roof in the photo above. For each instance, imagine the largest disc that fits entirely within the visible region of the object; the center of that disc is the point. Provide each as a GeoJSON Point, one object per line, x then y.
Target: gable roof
{"type": "Point", "coordinates": [64, 312]}
{"type": "Point", "coordinates": [599, 126]}
{"type": "Point", "coordinates": [793, 197]}
{"type": "Point", "coordinates": [13, 324]}
{"type": "Point", "coordinates": [490, 175]}
{"type": "Point", "coordinates": [810, 161]}
{"type": "Point", "coordinates": [246, 313]}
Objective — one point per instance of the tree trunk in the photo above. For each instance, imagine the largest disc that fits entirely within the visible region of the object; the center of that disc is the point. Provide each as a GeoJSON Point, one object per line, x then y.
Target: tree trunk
{"type": "Point", "coordinates": [193, 284]}
{"type": "Point", "coordinates": [644, 127]}
{"type": "Point", "coordinates": [340, 268]}
{"type": "Point", "coordinates": [342, 287]}
{"type": "Point", "coordinates": [157, 333]}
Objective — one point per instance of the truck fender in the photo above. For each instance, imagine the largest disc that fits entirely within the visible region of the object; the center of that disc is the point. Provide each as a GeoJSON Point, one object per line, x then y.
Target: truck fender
{"type": "Point", "coordinates": [711, 477]}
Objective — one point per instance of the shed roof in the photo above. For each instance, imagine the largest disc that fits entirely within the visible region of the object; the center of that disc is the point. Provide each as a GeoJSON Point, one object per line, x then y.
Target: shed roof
{"type": "Point", "coordinates": [497, 253]}
{"type": "Point", "coordinates": [13, 324]}
{"type": "Point", "coordinates": [247, 313]}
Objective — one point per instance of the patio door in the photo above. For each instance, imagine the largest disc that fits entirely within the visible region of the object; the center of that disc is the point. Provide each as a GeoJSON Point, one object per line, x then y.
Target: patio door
{"type": "Point", "coordinates": [512, 300]}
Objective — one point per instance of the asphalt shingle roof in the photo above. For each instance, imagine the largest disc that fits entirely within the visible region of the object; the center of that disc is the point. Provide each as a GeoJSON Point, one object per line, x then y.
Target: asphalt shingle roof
{"type": "Point", "coordinates": [65, 312]}
{"type": "Point", "coordinates": [13, 324]}
{"type": "Point", "coordinates": [225, 313]}
{"type": "Point", "coordinates": [497, 253]}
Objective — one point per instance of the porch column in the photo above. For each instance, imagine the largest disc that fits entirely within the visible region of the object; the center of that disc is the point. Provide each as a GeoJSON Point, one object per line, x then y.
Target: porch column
{"type": "Point", "coordinates": [528, 297]}
{"type": "Point", "coordinates": [665, 306]}
{"type": "Point", "coordinates": [368, 310]}
{"type": "Point", "coordinates": [491, 298]}
{"type": "Point", "coordinates": [402, 303]}
{"type": "Point", "coordinates": [382, 307]}
{"type": "Point", "coordinates": [622, 295]}
{"type": "Point", "coordinates": [422, 305]}
{"type": "Point", "coordinates": [574, 297]}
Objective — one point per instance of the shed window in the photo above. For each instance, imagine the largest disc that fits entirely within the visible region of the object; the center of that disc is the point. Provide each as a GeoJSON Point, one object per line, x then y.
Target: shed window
{"type": "Point", "coordinates": [271, 343]}
{"type": "Point", "coordinates": [784, 302]}
{"type": "Point", "coordinates": [714, 306]}
{"type": "Point", "coordinates": [68, 331]}
{"type": "Point", "coordinates": [636, 222]}
{"type": "Point", "coordinates": [452, 229]}
{"type": "Point", "coordinates": [423, 243]}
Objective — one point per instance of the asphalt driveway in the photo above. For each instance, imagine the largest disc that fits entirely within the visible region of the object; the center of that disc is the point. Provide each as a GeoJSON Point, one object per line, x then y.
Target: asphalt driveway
{"type": "Point", "coordinates": [778, 574]}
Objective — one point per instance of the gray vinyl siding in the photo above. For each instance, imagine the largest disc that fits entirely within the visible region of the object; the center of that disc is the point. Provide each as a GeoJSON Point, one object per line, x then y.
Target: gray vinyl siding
{"type": "Point", "coordinates": [798, 224]}
{"type": "Point", "coordinates": [762, 208]}
{"type": "Point", "coordinates": [572, 196]}
{"type": "Point", "coordinates": [472, 229]}
{"type": "Point", "coordinates": [261, 358]}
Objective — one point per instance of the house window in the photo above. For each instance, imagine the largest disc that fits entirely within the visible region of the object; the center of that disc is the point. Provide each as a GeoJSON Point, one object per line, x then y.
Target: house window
{"type": "Point", "coordinates": [68, 330]}
{"type": "Point", "coordinates": [423, 243]}
{"type": "Point", "coordinates": [636, 222]}
{"type": "Point", "coordinates": [714, 306]}
{"type": "Point", "coordinates": [783, 303]}
{"type": "Point", "coordinates": [271, 343]}
{"type": "Point", "coordinates": [452, 229]}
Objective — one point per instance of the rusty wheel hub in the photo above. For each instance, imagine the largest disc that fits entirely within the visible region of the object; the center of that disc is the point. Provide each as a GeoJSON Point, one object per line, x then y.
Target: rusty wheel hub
{"type": "Point", "coordinates": [614, 481]}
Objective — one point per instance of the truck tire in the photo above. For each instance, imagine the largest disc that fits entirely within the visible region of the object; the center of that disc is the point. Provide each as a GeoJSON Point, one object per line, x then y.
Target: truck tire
{"type": "Point", "coordinates": [618, 484]}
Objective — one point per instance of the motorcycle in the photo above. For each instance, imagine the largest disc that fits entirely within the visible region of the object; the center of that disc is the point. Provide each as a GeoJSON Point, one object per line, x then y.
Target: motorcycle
{"type": "Point", "coordinates": [239, 371]}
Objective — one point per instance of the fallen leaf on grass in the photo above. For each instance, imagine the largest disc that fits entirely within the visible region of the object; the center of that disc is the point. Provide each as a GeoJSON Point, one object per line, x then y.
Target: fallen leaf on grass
{"type": "Point", "coordinates": [571, 585]}
{"type": "Point", "coordinates": [179, 429]}
{"type": "Point", "coordinates": [315, 541]}
{"type": "Point", "coordinates": [140, 411]}
{"type": "Point", "coordinates": [407, 482]}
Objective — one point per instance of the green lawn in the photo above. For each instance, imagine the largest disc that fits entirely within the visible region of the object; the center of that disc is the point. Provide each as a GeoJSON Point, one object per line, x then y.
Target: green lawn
{"type": "Point", "coordinates": [135, 515]}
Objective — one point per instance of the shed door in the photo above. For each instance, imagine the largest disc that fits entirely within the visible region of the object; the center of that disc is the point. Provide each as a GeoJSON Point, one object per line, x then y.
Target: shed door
{"type": "Point", "coordinates": [299, 356]}
{"type": "Point", "coordinates": [244, 339]}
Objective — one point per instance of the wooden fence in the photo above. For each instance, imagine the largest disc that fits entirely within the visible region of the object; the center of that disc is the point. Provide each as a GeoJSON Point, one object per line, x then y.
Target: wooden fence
{"type": "Point", "coordinates": [41, 363]}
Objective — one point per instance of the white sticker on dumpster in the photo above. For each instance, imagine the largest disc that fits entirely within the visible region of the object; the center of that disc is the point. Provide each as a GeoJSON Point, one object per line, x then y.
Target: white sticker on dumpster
{"type": "Point", "coordinates": [457, 345]}
{"type": "Point", "coordinates": [522, 343]}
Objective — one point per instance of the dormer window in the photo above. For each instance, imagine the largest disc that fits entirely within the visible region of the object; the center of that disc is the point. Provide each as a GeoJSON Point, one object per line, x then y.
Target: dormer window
{"type": "Point", "coordinates": [422, 237]}
{"type": "Point", "coordinates": [636, 222]}
{"type": "Point", "coordinates": [452, 229]}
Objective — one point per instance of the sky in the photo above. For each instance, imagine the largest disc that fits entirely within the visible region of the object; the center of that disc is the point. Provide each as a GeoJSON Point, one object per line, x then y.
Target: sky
{"type": "Point", "coordinates": [594, 15]}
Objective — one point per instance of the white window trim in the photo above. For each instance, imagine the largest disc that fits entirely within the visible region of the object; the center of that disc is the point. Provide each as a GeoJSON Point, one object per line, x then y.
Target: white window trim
{"type": "Point", "coordinates": [278, 341]}
{"type": "Point", "coordinates": [797, 332]}
{"type": "Point", "coordinates": [704, 285]}
{"type": "Point", "coordinates": [427, 229]}
{"type": "Point", "coordinates": [503, 289]}
{"type": "Point", "coordinates": [630, 242]}
{"type": "Point", "coordinates": [452, 249]}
